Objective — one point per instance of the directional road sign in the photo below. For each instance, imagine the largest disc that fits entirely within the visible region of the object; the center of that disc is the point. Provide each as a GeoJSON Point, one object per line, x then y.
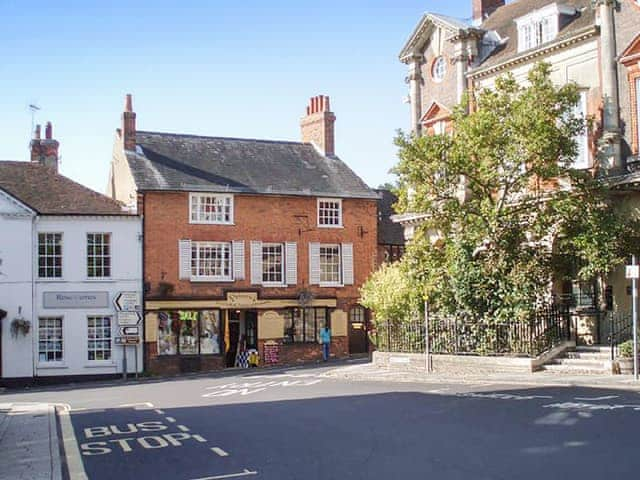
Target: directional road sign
{"type": "Point", "coordinates": [128, 318]}
{"type": "Point", "coordinates": [128, 331]}
{"type": "Point", "coordinates": [127, 302]}
{"type": "Point", "coordinates": [128, 340]}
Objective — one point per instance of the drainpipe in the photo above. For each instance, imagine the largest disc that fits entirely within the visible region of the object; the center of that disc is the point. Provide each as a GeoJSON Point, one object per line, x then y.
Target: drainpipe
{"type": "Point", "coordinates": [34, 294]}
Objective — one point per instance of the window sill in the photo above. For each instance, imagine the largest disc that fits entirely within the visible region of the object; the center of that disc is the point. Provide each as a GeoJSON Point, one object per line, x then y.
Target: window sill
{"type": "Point", "coordinates": [51, 366]}
{"type": "Point", "coordinates": [98, 364]}
{"type": "Point", "coordinates": [330, 226]}
{"type": "Point", "coordinates": [100, 280]}
{"type": "Point", "coordinates": [49, 279]}
{"type": "Point", "coordinates": [274, 285]}
{"type": "Point", "coordinates": [230, 224]}
{"type": "Point", "coordinates": [329, 285]}
{"type": "Point", "coordinates": [211, 280]}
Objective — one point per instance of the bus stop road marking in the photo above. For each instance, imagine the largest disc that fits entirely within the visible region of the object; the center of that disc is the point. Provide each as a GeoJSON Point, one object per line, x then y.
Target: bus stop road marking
{"type": "Point", "coordinates": [219, 451]}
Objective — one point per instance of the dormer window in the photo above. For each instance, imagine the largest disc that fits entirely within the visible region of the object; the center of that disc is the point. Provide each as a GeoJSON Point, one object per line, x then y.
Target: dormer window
{"type": "Point", "coordinates": [541, 26]}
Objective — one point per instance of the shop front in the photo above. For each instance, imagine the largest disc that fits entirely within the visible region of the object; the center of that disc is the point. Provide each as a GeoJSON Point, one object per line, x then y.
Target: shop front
{"type": "Point", "coordinates": [241, 331]}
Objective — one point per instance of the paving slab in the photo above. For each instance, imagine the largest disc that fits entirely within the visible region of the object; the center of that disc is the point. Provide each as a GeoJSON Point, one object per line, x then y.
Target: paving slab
{"type": "Point", "coordinates": [28, 442]}
{"type": "Point", "coordinates": [370, 372]}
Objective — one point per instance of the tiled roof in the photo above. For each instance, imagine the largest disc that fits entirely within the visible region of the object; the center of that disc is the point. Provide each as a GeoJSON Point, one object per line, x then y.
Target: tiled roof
{"type": "Point", "coordinates": [389, 232]}
{"type": "Point", "coordinates": [503, 22]}
{"type": "Point", "coordinates": [49, 193]}
{"type": "Point", "coordinates": [167, 161]}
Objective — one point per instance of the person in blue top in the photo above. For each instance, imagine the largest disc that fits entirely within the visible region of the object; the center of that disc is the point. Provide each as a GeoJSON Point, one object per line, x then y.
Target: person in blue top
{"type": "Point", "coordinates": [325, 339]}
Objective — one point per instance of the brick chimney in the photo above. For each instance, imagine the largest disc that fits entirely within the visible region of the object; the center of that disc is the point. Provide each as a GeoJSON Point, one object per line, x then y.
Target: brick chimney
{"type": "Point", "coordinates": [483, 8]}
{"type": "Point", "coordinates": [45, 151]}
{"type": "Point", "coordinates": [317, 125]}
{"type": "Point", "coordinates": [129, 124]}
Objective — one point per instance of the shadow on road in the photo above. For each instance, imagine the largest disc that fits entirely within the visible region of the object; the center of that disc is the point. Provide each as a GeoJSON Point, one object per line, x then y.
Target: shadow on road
{"type": "Point", "coordinates": [551, 433]}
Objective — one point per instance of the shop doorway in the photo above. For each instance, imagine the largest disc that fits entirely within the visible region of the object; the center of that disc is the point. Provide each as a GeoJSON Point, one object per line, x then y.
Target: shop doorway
{"type": "Point", "coordinates": [243, 336]}
{"type": "Point", "coordinates": [358, 330]}
{"type": "Point", "coordinates": [234, 338]}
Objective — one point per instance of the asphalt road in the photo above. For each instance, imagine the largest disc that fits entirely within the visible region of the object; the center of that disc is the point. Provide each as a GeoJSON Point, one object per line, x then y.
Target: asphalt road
{"type": "Point", "coordinates": [296, 424]}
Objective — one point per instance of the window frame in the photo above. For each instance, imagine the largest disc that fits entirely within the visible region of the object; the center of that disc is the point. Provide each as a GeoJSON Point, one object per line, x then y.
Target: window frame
{"type": "Point", "coordinates": [283, 269]}
{"type": "Point", "coordinates": [61, 361]}
{"type": "Point", "coordinates": [110, 256]}
{"type": "Point", "coordinates": [339, 283]}
{"type": "Point", "coordinates": [211, 278]}
{"type": "Point", "coordinates": [438, 69]}
{"type": "Point", "coordinates": [583, 159]}
{"type": "Point", "coordinates": [61, 276]}
{"type": "Point", "coordinates": [216, 196]}
{"type": "Point", "coordinates": [175, 314]}
{"type": "Point", "coordinates": [289, 324]}
{"type": "Point", "coordinates": [96, 339]}
{"type": "Point", "coordinates": [338, 201]}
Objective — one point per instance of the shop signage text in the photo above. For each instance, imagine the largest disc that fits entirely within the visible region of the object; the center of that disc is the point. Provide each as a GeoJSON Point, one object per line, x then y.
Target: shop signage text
{"type": "Point", "coordinates": [76, 300]}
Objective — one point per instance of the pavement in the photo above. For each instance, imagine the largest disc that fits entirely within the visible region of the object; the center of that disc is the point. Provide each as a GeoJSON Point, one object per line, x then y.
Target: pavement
{"type": "Point", "coordinates": [29, 447]}
{"type": "Point", "coordinates": [370, 372]}
{"type": "Point", "coordinates": [324, 422]}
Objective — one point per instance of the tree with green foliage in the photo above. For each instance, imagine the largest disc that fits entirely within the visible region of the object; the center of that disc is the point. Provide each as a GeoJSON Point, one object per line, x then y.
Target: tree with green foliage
{"type": "Point", "coordinates": [501, 202]}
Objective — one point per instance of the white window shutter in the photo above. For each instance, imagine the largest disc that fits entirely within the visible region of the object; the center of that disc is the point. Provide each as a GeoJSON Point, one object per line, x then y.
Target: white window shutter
{"type": "Point", "coordinates": [347, 263]}
{"type": "Point", "coordinates": [238, 259]}
{"type": "Point", "coordinates": [256, 263]}
{"type": "Point", "coordinates": [184, 262]}
{"type": "Point", "coordinates": [314, 264]}
{"type": "Point", "coordinates": [291, 263]}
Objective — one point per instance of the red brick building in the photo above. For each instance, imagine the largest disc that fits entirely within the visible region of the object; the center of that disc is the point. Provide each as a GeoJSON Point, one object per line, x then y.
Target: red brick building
{"type": "Point", "coordinates": [249, 245]}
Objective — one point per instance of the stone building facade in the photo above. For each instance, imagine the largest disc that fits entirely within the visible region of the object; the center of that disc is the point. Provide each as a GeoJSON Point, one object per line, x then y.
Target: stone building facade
{"type": "Point", "coordinates": [595, 44]}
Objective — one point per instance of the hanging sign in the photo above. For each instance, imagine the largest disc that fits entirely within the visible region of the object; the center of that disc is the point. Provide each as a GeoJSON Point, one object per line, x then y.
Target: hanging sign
{"type": "Point", "coordinates": [632, 271]}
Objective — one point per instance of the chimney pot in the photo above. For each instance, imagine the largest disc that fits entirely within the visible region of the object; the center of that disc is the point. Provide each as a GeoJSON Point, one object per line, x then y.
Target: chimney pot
{"type": "Point", "coordinates": [48, 131]}
{"type": "Point", "coordinates": [37, 132]}
{"type": "Point", "coordinates": [318, 125]}
{"type": "Point", "coordinates": [483, 8]}
{"type": "Point", "coordinates": [129, 124]}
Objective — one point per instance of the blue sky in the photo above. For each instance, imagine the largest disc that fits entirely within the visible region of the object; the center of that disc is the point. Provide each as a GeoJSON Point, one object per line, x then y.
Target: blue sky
{"type": "Point", "coordinates": [217, 67]}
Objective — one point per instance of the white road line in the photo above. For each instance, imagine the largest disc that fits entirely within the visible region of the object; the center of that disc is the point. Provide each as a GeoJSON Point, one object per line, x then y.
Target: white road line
{"type": "Point", "coordinates": [136, 405]}
{"type": "Point", "coordinates": [170, 419]}
{"type": "Point", "coordinates": [71, 451]}
{"type": "Point", "coordinates": [610, 397]}
{"type": "Point", "coordinates": [219, 451]}
{"type": "Point", "coordinates": [159, 412]}
{"type": "Point", "coordinates": [183, 428]}
{"type": "Point", "coordinates": [245, 473]}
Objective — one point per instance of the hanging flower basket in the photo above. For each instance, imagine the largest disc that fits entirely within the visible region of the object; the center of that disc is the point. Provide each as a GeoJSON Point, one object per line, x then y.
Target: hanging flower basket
{"type": "Point", "coordinates": [19, 325]}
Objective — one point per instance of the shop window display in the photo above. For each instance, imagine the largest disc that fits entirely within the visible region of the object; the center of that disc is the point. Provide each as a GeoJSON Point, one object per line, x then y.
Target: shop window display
{"type": "Point", "coordinates": [303, 326]}
{"type": "Point", "coordinates": [189, 332]}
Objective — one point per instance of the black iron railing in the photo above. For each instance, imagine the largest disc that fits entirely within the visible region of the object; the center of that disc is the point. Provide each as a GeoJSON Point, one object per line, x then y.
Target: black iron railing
{"type": "Point", "coordinates": [465, 335]}
{"type": "Point", "coordinates": [620, 330]}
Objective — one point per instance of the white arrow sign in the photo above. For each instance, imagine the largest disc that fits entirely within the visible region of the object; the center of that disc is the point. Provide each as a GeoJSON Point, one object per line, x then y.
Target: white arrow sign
{"type": "Point", "coordinates": [127, 301]}
{"type": "Point", "coordinates": [129, 330]}
{"type": "Point", "coordinates": [128, 318]}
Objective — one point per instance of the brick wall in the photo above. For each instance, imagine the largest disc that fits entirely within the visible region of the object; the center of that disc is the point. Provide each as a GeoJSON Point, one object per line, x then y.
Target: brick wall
{"type": "Point", "coordinates": [627, 19]}
{"type": "Point", "coordinates": [265, 218]}
{"type": "Point", "coordinates": [299, 353]}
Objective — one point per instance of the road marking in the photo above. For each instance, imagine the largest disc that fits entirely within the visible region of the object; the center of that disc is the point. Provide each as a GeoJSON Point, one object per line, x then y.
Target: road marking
{"type": "Point", "coordinates": [136, 405]}
{"type": "Point", "coordinates": [244, 473]}
{"type": "Point", "coordinates": [170, 419]}
{"type": "Point", "coordinates": [183, 428]}
{"type": "Point", "coordinates": [159, 412]}
{"type": "Point", "coordinates": [219, 451]}
{"type": "Point", "coordinates": [71, 450]}
{"type": "Point", "coordinates": [610, 397]}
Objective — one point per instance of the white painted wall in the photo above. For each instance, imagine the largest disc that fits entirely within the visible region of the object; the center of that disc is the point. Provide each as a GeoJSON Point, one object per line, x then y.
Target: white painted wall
{"type": "Point", "coordinates": [126, 275]}
{"type": "Point", "coordinates": [15, 285]}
